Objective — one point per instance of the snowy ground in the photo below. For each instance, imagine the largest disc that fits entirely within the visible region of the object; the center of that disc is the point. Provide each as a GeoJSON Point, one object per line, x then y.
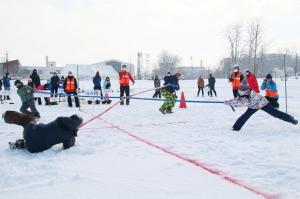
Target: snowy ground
{"type": "Point", "coordinates": [107, 163]}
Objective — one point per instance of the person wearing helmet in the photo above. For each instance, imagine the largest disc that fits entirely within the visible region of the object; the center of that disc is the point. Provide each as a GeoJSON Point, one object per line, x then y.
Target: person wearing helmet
{"type": "Point", "coordinates": [26, 94]}
{"type": "Point", "coordinates": [40, 137]}
{"type": "Point", "coordinates": [236, 78]}
{"type": "Point", "coordinates": [254, 102]}
{"type": "Point", "coordinates": [271, 90]}
{"type": "Point", "coordinates": [169, 92]}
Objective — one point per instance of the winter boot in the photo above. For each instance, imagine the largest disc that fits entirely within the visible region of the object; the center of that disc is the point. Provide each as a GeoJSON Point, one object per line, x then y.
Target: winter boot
{"type": "Point", "coordinates": [19, 144]}
{"type": "Point", "coordinates": [295, 121]}
{"type": "Point", "coordinates": [162, 111]}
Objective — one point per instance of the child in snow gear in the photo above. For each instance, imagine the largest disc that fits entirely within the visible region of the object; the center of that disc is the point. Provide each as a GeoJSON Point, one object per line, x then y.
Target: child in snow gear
{"type": "Point", "coordinates": [255, 102]}
{"type": "Point", "coordinates": [124, 78]}
{"type": "Point", "coordinates": [168, 92]}
{"type": "Point", "coordinates": [26, 94]}
{"type": "Point", "coordinates": [271, 91]}
{"type": "Point", "coordinates": [6, 83]}
{"type": "Point", "coordinates": [40, 137]}
{"type": "Point", "coordinates": [200, 84]}
{"type": "Point", "coordinates": [106, 87]}
{"type": "Point", "coordinates": [211, 85]}
{"type": "Point", "coordinates": [156, 85]}
{"type": "Point", "coordinates": [252, 81]}
{"type": "Point", "coordinates": [70, 88]}
{"type": "Point", "coordinates": [236, 78]}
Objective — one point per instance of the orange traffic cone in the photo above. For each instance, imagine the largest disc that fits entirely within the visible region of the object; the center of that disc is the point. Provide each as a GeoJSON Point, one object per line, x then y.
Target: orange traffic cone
{"type": "Point", "coordinates": [182, 101]}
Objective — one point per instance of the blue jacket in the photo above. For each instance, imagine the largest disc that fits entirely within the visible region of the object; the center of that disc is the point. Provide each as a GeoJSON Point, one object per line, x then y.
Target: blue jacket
{"type": "Point", "coordinates": [6, 81]}
{"type": "Point", "coordinates": [172, 82]}
{"type": "Point", "coordinates": [106, 85]}
{"type": "Point", "coordinates": [40, 137]}
{"type": "Point", "coordinates": [97, 81]}
{"type": "Point", "coordinates": [270, 85]}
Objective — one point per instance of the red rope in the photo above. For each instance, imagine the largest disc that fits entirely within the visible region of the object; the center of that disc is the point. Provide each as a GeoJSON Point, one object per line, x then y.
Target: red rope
{"type": "Point", "coordinates": [193, 162]}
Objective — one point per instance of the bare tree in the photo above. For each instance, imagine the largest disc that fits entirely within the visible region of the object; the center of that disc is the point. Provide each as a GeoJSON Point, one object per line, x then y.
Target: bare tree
{"type": "Point", "coordinates": [255, 44]}
{"type": "Point", "coordinates": [167, 62]}
{"type": "Point", "coordinates": [234, 36]}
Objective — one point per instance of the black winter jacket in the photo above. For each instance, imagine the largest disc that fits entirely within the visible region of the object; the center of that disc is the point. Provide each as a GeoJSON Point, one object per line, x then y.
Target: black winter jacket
{"type": "Point", "coordinates": [40, 137]}
{"type": "Point", "coordinates": [54, 81]}
{"type": "Point", "coordinates": [172, 82]}
{"type": "Point", "coordinates": [35, 79]}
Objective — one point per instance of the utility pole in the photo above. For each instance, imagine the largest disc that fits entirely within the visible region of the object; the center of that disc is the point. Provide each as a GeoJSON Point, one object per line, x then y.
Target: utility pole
{"type": "Point", "coordinates": [296, 67]}
{"type": "Point", "coordinates": [192, 76]}
{"type": "Point", "coordinates": [139, 66]}
{"type": "Point", "coordinates": [284, 59]}
{"type": "Point", "coordinates": [6, 55]}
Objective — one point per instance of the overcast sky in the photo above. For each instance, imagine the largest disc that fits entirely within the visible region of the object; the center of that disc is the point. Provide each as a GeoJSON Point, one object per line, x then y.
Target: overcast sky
{"type": "Point", "coordinates": [88, 31]}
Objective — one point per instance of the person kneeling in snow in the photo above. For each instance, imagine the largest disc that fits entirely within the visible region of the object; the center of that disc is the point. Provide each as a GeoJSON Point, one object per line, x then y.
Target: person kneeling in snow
{"type": "Point", "coordinates": [40, 137]}
{"type": "Point", "coordinates": [255, 102]}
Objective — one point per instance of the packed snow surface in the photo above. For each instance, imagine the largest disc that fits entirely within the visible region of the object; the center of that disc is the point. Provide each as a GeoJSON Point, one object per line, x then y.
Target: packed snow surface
{"type": "Point", "coordinates": [107, 163]}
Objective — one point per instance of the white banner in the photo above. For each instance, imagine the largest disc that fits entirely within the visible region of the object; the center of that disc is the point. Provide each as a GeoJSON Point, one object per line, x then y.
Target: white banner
{"type": "Point", "coordinates": [4, 92]}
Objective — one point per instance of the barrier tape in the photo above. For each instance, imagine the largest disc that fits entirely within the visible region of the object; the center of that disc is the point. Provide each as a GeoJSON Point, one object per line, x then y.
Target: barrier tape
{"type": "Point", "coordinates": [116, 103]}
{"type": "Point", "coordinates": [193, 162]}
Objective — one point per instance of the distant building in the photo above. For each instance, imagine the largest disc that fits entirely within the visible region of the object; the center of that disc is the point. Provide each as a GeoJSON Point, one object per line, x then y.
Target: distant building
{"type": "Point", "coordinates": [189, 72]}
{"type": "Point", "coordinates": [44, 72]}
{"type": "Point", "coordinates": [11, 67]}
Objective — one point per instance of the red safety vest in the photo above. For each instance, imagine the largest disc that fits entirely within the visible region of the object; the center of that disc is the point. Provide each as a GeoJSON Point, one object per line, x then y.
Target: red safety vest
{"type": "Point", "coordinates": [70, 85]}
{"type": "Point", "coordinates": [270, 93]}
{"type": "Point", "coordinates": [236, 80]}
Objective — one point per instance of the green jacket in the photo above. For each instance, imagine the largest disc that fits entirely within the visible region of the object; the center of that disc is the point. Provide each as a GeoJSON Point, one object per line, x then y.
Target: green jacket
{"type": "Point", "coordinates": [25, 92]}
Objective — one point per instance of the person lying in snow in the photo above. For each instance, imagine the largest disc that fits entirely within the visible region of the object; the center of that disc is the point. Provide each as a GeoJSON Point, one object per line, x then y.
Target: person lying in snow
{"type": "Point", "coordinates": [255, 102]}
{"type": "Point", "coordinates": [40, 137]}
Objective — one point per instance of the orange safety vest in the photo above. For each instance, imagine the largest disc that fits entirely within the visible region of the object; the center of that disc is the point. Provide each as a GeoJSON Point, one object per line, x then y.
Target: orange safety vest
{"type": "Point", "coordinates": [70, 85]}
{"type": "Point", "coordinates": [236, 80]}
{"type": "Point", "coordinates": [124, 79]}
{"type": "Point", "coordinates": [270, 93]}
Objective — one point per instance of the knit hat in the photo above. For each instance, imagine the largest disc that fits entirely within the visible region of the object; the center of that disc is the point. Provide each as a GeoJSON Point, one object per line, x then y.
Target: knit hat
{"type": "Point", "coordinates": [236, 66]}
{"type": "Point", "coordinates": [17, 82]}
{"type": "Point", "coordinates": [97, 73]}
{"type": "Point", "coordinates": [269, 76]}
{"type": "Point", "coordinates": [70, 73]}
{"type": "Point", "coordinates": [244, 88]}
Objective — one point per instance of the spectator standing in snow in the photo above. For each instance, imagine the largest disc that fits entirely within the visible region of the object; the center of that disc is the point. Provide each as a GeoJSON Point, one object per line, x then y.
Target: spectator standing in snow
{"type": "Point", "coordinates": [54, 84]}
{"type": "Point", "coordinates": [200, 84]}
{"type": "Point", "coordinates": [125, 77]}
{"type": "Point", "coordinates": [40, 137]}
{"type": "Point", "coordinates": [252, 81]}
{"type": "Point", "coordinates": [157, 85]}
{"type": "Point", "coordinates": [97, 84]}
{"type": "Point", "coordinates": [106, 89]}
{"type": "Point", "coordinates": [37, 81]}
{"type": "Point", "coordinates": [271, 91]}
{"type": "Point", "coordinates": [236, 78]}
{"type": "Point", "coordinates": [70, 88]}
{"type": "Point", "coordinates": [1, 90]}
{"type": "Point", "coordinates": [254, 101]}
{"type": "Point", "coordinates": [169, 92]}
{"type": "Point", "coordinates": [6, 83]}
{"type": "Point", "coordinates": [211, 85]}
{"type": "Point", "coordinates": [26, 94]}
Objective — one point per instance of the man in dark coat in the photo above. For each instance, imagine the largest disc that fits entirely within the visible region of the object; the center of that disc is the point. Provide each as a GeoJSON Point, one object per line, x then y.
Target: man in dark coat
{"type": "Point", "coordinates": [211, 85]}
{"type": "Point", "coordinates": [157, 85]}
{"type": "Point", "coordinates": [36, 81]}
{"type": "Point", "coordinates": [6, 83]}
{"type": "Point", "coordinates": [40, 137]}
{"type": "Point", "coordinates": [54, 84]}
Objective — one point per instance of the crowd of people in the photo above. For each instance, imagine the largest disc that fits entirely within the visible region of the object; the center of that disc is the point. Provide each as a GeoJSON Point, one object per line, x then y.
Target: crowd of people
{"type": "Point", "coordinates": [245, 90]}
